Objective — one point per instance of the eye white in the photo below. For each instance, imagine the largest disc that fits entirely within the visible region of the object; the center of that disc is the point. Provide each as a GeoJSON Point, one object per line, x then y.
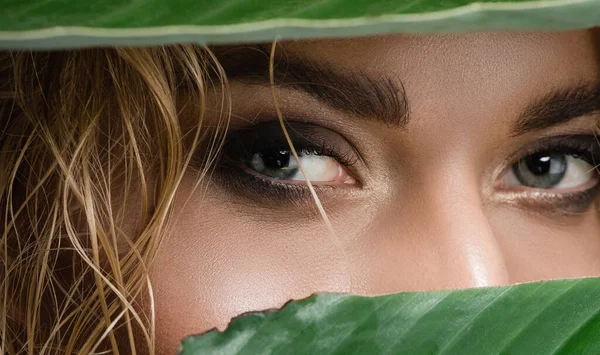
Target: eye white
{"type": "Point", "coordinates": [578, 173]}
{"type": "Point", "coordinates": [318, 168]}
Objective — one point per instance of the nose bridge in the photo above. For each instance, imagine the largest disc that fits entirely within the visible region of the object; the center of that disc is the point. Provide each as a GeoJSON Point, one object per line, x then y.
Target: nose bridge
{"type": "Point", "coordinates": [468, 246]}
{"type": "Point", "coordinates": [458, 225]}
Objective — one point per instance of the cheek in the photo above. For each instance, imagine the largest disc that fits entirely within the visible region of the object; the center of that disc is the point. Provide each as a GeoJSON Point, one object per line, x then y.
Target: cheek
{"type": "Point", "coordinates": [214, 264]}
{"type": "Point", "coordinates": [537, 248]}
{"type": "Point", "coordinates": [221, 258]}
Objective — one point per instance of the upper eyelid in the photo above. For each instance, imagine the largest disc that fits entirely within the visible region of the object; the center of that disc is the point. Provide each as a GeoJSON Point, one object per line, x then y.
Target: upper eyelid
{"type": "Point", "coordinates": [536, 147]}
{"type": "Point", "coordinates": [305, 135]}
{"type": "Point", "coordinates": [546, 143]}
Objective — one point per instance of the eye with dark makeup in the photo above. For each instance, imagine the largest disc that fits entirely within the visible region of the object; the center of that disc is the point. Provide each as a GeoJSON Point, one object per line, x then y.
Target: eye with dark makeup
{"type": "Point", "coordinates": [258, 161]}
{"type": "Point", "coordinates": [556, 172]}
{"type": "Point", "coordinates": [560, 172]}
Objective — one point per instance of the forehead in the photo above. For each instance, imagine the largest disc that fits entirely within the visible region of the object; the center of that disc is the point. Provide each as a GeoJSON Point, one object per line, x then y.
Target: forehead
{"type": "Point", "coordinates": [520, 45]}
{"type": "Point", "coordinates": [497, 57]}
{"type": "Point", "coordinates": [480, 80]}
{"type": "Point", "coordinates": [483, 81]}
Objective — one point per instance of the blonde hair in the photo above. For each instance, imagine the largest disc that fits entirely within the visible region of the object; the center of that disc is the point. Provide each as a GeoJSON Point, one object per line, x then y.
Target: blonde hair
{"type": "Point", "coordinates": [84, 136]}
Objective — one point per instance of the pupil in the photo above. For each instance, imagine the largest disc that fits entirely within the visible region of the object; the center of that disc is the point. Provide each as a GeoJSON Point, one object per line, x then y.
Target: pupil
{"type": "Point", "coordinates": [542, 170]}
{"type": "Point", "coordinates": [539, 164]}
{"type": "Point", "coordinates": [276, 160]}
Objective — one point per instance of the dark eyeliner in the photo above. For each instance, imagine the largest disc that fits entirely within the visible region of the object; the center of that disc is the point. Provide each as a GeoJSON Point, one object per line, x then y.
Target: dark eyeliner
{"type": "Point", "coordinates": [585, 147]}
{"type": "Point", "coordinates": [241, 143]}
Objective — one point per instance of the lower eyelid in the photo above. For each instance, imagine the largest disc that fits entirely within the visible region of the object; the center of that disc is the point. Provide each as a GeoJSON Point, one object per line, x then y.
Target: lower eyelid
{"type": "Point", "coordinates": [535, 192]}
{"type": "Point", "coordinates": [550, 191]}
{"type": "Point", "coordinates": [585, 145]}
{"type": "Point", "coordinates": [299, 182]}
{"type": "Point", "coordinates": [271, 194]}
{"type": "Point", "coordinates": [549, 202]}
{"type": "Point", "coordinates": [553, 201]}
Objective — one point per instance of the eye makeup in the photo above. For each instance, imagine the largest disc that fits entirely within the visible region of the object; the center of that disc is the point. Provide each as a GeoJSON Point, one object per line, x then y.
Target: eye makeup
{"type": "Point", "coordinates": [237, 168]}
{"type": "Point", "coordinates": [248, 147]}
{"type": "Point", "coordinates": [553, 198]}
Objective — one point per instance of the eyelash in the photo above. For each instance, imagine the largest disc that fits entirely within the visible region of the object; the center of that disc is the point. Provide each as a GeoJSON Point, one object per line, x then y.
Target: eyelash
{"type": "Point", "coordinates": [242, 143]}
{"type": "Point", "coordinates": [587, 147]}
{"type": "Point", "coordinates": [322, 150]}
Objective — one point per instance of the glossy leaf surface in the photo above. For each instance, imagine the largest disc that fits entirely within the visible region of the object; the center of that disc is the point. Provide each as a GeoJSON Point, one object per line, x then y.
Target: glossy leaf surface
{"type": "Point", "coordinates": [75, 23]}
{"type": "Point", "coordinates": [551, 317]}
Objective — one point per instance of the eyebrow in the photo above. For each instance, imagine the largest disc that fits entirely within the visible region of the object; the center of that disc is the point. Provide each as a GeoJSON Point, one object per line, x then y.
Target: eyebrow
{"type": "Point", "coordinates": [558, 107]}
{"type": "Point", "coordinates": [379, 98]}
{"type": "Point", "coordinates": [383, 98]}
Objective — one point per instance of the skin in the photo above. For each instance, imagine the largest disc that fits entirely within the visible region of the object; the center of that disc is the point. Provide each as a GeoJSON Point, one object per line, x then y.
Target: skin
{"type": "Point", "coordinates": [427, 212]}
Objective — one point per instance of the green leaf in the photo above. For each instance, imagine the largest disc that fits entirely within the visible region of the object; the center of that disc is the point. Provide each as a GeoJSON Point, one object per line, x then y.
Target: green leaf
{"type": "Point", "coordinates": [79, 23]}
{"type": "Point", "coordinates": [549, 317]}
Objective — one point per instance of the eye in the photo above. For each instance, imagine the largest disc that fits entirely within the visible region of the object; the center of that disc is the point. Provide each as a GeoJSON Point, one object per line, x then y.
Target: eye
{"type": "Point", "coordinates": [258, 160]}
{"type": "Point", "coordinates": [281, 165]}
{"type": "Point", "coordinates": [553, 170]}
{"type": "Point", "coordinates": [568, 166]}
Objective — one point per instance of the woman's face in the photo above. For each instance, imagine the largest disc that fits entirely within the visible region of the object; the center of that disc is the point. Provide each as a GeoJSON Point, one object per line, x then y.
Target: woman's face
{"type": "Point", "coordinates": [441, 161]}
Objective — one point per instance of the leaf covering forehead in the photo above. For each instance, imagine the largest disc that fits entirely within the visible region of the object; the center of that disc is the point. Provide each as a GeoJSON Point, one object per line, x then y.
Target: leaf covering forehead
{"type": "Point", "coordinates": [40, 24]}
